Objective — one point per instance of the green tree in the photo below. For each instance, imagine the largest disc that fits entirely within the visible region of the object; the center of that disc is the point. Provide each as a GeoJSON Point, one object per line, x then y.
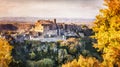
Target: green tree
{"type": "Point", "coordinates": [46, 62]}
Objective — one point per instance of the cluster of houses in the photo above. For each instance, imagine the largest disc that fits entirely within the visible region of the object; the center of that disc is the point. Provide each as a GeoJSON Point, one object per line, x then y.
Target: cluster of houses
{"type": "Point", "coordinates": [47, 30]}
{"type": "Point", "coordinates": [50, 31]}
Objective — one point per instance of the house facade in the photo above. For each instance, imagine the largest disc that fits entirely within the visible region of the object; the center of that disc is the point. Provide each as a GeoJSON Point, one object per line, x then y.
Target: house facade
{"type": "Point", "coordinates": [44, 26]}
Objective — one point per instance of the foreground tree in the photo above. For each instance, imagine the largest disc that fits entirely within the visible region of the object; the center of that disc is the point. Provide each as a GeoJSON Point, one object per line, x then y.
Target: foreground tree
{"type": "Point", "coordinates": [5, 53]}
{"type": "Point", "coordinates": [107, 33]}
{"type": "Point", "coordinates": [83, 62]}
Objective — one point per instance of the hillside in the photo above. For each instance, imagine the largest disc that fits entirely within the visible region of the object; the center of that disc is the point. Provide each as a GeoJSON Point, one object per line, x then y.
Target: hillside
{"type": "Point", "coordinates": [15, 26]}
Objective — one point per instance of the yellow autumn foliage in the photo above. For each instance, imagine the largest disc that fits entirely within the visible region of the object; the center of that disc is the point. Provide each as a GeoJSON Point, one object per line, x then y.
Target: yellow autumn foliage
{"type": "Point", "coordinates": [107, 33]}
{"type": "Point", "coordinates": [5, 53]}
{"type": "Point", "coordinates": [83, 62]}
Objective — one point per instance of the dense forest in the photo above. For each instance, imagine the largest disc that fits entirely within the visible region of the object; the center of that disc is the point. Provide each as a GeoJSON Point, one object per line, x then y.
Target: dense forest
{"type": "Point", "coordinates": [98, 48]}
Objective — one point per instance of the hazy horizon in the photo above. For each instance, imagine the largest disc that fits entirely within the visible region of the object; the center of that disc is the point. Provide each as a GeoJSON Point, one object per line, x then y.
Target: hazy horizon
{"type": "Point", "coordinates": [85, 9]}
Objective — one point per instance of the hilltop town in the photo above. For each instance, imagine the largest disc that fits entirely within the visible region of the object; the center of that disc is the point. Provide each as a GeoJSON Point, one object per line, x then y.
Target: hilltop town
{"type": "Point", "coordinates": [42, 30]}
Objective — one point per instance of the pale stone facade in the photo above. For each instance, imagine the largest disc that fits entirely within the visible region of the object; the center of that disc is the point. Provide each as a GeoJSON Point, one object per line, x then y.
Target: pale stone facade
{"type": "Point", "coordinates": [44, 26]}
{"type": "Point", "coordinates": [38, 27]}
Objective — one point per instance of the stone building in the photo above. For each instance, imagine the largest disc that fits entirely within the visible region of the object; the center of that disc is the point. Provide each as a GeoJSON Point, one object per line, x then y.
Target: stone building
{"type": "Point", "coordinates": [44, 26]}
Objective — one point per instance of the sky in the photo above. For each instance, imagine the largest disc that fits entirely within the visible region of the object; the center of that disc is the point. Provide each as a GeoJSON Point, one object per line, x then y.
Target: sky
{"type": "Point", "coordinates": [50, 8]}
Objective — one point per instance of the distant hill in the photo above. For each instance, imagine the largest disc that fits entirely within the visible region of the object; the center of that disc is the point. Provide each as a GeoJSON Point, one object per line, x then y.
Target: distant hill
{"type": "Point", "coordinates": [34, 19]}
